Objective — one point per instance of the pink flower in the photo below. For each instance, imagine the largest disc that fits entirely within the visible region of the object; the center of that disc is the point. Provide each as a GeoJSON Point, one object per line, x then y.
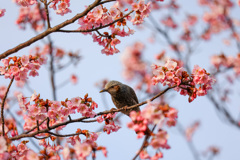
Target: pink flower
{"type": "Point", "coordinates": [55, 105]}
{"type": "Point", "coordinates": [5, 62]}
{"type": "Point", "coordinates": [22, 148]}
{"type": "Point", "coordinates": [66, 152]}
{"type": "Point", "coordinates": [42, 59]}
{"type": "Point", "coordinates": [82, 150]}
{"type": "Point", "coordinates": [100, 119]}
{"type": "Point", "coordinates": [82, 108]}
{"type": "Point", "coordinates": [32, 155]}
{"type": "Point", "coordinates": [33, 73]}
{"type": "Point", "coordinates": [160, 140]}
{"type": "Point", "coordinates": [144, 155]}
{"type": "Point", "coordinates": [3, 146]}
{"type": "Point", "coordinates": [169, 75]}
{"type": "Point", "coordinates": [74, 79]}
{"type": "Point", "coordinates": [157, 156]}
{"type": "Point", "coordinates": [104, 151]}
{"type": "Point", "coordinates": [14, 70]}
{"type": "Point", "coordinates": [113, 12]}
{"type": "Point", "coordinates": [34, 96]}
{"type": "Point", "coordinates": [2, 12]}
{"type": "Point", "coordinates": [76, 101]}
{"type": "Point", "coordinates": [191, 130]}
{"type": "Point", "coordinates": [168, 21]}
{"type": "Point", "coordinates": [171, 65]}
{"type": "Point", "coordinates": [111, 127]}
{"type": "Point", "coordinates": [97, 12]}
{"type": "Point", "coordinates": [25, 60]}
{"type": "Point", "coordinates": [63, 7]}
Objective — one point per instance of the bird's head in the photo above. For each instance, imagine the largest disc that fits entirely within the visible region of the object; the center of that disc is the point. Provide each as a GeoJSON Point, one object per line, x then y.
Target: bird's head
{"type": "Point", "coordinates": [112, 87]}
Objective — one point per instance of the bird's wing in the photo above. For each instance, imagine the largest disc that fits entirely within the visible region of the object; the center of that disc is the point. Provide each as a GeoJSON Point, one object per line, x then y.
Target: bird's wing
{"type": "Point", "coordinates": [132, 92]}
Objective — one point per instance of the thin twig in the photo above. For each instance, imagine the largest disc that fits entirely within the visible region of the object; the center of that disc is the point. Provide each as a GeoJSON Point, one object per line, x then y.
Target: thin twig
{"type": "Point", "coordinates": [2, 106]}
{"type": "Point", "coordinates": [47, 13]}
{"type": "Point", "coordinates": [106, 1]}
{"type": "Point", "coordinates": [65, 135]}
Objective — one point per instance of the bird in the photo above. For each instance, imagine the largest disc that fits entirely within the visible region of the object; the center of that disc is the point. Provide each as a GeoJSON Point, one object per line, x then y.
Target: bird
{"type": "Point", "coordinates": [122, 96]}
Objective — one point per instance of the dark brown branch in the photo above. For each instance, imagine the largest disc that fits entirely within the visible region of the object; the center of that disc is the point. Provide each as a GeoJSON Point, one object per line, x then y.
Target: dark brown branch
{"type": "Point", "coordinates": [24, 135]}
{"type": "Point", "coordinates": [49, 31]}
{"type": "Point", "coordinates": [2, 106]}
{"type": "Point", "coordinates": [107, 1]}
{"type": "Point", "coordinates": [36, 126]}
{"type": "Point", "coordinates": [65, 135]}
{"type": "Point", "coordinates": [102, 34]}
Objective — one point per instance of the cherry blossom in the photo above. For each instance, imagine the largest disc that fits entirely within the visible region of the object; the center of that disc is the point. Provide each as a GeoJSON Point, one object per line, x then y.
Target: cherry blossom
{"type": "Point", "coordinates": [20, 67]}
{"type": "Point", "coordinates": [33, 16]}
{"type": "Point", "coordinates": [172, 75]}
{"type": "Point", "coordinates": [62, 8]}
{"type": "Point", "coordinates": [221, 60]}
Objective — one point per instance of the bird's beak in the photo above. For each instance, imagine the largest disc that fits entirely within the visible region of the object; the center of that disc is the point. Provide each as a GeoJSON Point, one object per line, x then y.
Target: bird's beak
{"type": "Point", "coordinates": [104, 90]}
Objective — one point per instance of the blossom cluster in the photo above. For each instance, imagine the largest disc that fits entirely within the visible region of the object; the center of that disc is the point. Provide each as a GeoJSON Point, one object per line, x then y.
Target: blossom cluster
{"type": "Point", "coordinates": [62, 8]}
{"type": "Point", "coordinates": [101, 16]}
{"type": "Point", "coordinates": [18, 67]}
{"type": "Point", "coordinates": [110, 126]}
{"type": "Point", "coordinates": [153, 114]}
{"type": "Point", "coordinates": [174, 76]}
{"type": "Point", "coordinates": [82, 148]}
{"type": "Point", "coordinates": [228, 62]}
{"type": "Point", "coordinates": [35, 16]}
{"type": "Point", "coordinates": [168, 21]}
{"type": "Point", "coordinates": [21, 151]}
{"type": "Point", "coordinates": [217, 17]}
{"type": "Point", "coordinates": [38, 110]}
{"type": "Point", "coordinates": [142, 11]}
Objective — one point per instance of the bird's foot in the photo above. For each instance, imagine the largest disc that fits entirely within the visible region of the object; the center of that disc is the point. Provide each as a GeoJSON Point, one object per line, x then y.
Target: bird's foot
{"type": "Point", "coordinates": [125, 108]}
{"type": "Point", "coordinates": [112, 110]}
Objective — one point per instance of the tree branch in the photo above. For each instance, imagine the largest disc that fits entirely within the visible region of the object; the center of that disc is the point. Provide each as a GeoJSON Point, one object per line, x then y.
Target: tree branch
{"type": "Point", "coordinates": [24, 135]}
{"type": "Point", "coordinates": [49, 30]}
{"type": "Point", "coordinates": [2, 106]}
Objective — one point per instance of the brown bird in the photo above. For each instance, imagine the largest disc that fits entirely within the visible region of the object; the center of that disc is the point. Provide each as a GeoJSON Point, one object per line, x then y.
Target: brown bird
{"type": "Point", "coordinates": [122, 95]}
